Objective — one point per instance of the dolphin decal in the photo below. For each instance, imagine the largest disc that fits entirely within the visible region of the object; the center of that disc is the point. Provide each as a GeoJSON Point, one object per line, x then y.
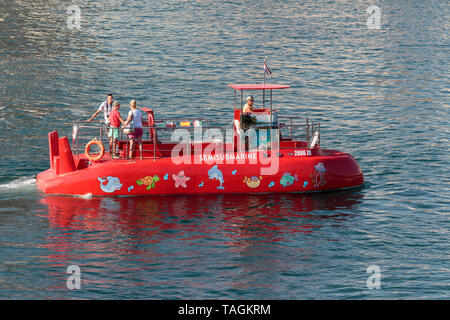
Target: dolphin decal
{"type": "Point", "coordinates": [215, 173]}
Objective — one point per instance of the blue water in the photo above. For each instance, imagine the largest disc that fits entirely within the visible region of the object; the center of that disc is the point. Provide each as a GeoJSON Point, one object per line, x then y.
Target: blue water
{"type": "Point", "coordinates": [381, 95]}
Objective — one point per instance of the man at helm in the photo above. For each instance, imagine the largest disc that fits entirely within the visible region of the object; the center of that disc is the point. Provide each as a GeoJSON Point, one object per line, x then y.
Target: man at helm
{"type": "Point", "coordinates": [249, 105]}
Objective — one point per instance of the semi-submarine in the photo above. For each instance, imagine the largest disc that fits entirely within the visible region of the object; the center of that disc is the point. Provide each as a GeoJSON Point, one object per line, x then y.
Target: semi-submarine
{"type": "Point", "coordinates": [260, 152]}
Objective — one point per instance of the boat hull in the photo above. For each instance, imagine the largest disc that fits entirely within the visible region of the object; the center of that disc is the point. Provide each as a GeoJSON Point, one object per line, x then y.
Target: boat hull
{"type": "Point", "coordinates": [332, 170]}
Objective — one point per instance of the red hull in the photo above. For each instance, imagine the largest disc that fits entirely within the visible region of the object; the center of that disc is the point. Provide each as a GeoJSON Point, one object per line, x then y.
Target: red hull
{"type": "Point", "coordinates": [332, 170]}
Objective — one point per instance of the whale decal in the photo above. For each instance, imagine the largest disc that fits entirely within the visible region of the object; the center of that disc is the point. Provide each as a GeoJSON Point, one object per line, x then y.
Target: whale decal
{"type": "Point", "coordinates": [112, 184]}
{"type": "Point", "coordinates": [215, 173]}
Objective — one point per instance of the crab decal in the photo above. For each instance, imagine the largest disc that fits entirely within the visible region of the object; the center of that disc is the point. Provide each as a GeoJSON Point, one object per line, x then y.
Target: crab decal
{"type": "Point", "coordinates": [253, 182]}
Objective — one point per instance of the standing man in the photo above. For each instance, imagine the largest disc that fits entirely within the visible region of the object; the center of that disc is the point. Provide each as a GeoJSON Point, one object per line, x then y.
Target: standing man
{"type": "Point", "coordinates": [106, 107]}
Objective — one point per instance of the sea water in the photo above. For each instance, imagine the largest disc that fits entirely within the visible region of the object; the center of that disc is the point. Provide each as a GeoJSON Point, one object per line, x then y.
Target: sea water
{"type": "Point", "coordinates": [376, 80]}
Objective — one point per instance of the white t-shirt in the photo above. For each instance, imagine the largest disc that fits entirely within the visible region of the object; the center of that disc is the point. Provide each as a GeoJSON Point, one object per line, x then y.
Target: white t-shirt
{"type": "Point", "coordinates": [106, 108]}
{"type": "Point", "coordinates": [137, 118]}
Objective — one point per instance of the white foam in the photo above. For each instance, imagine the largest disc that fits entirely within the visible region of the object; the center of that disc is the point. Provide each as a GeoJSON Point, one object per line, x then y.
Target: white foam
{"type": "Point", "coordinates": [19, 183]}
{"type": "Point", "coordinates": [85, 196]}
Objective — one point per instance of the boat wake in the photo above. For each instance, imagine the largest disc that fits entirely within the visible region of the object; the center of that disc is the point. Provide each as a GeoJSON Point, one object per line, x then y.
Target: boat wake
{"type": "Point", "coordinates": [19, 184]}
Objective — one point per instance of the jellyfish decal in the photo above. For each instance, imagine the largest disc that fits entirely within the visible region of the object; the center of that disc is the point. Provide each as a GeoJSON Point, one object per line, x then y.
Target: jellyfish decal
{"type": "Point", "coordinates": [319, 175]}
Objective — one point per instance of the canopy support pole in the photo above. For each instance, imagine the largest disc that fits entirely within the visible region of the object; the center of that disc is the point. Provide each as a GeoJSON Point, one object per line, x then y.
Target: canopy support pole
{"type": "Point", "coordinates": [271, 119]}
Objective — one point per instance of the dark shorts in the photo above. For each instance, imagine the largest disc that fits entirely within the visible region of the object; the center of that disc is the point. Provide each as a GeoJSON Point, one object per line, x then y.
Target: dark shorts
{"type": "Point", "coordinates": [138, 132]}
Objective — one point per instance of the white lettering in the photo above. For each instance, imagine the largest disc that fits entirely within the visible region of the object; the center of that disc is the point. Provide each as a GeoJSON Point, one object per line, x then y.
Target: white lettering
{"type": "Point", "coordinates": [243, 309]}
{"type": "Point", "coordinates": [195, 310]}
{"type": "Point", "coordinates": [74, 18]}
{"type": "Point", "coordinates": [74, 280]}
{"type": "Point", "coordinates": [184, 145]}
{"type": "Point", "coordinates": [374, 280]}
{"type": "Point", "coordinates": [374, 19]}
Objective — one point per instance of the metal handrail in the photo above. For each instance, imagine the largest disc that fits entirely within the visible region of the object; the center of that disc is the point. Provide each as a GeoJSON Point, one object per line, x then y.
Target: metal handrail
{"type": "Point", "coordinates": [308, 129]}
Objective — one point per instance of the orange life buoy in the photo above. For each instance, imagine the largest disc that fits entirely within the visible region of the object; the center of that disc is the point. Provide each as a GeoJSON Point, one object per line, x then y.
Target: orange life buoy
{"type": "Point", "coordinates": [88, 146]}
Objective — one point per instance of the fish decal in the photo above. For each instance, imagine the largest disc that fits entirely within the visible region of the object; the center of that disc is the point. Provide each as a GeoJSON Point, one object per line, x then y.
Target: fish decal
{"type": "Point", "coordinates": [215, 173]}
{"type": "Point", "coordinates": [287, 179]}
{"type": "Point", "coordinates": [113, 184]}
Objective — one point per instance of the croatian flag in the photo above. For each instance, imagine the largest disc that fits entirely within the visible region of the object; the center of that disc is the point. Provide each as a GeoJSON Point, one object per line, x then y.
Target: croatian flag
{"type": "Point", "coordinates": [266, 69]}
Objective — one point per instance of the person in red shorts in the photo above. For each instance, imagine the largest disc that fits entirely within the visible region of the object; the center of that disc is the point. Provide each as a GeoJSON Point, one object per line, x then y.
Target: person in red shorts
{"type": "Point", "coordinates": [115, 120]}
{"type": "Point", "coordinates": [135, 118]}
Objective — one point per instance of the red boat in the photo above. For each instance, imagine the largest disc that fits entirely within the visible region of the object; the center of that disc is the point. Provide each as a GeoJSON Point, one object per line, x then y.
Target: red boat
{"type": "Point", "coordinates": [261, 152]}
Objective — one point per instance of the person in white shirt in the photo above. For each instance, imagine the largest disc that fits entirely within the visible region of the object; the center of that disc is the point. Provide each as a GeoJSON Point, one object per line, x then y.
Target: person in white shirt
{"type": "Point", "coordinates": [135, 120]}
{"type": "Point", "coordinates": [106, 107]}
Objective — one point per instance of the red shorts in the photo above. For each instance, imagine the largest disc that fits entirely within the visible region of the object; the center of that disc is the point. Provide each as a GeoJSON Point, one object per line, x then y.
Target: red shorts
{"type": "Point", "coordinates": [138, 132]}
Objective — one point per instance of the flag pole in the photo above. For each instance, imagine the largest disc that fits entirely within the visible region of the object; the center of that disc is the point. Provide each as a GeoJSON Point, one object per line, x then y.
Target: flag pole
{"type": "Point", "coordinates": [264, 90]}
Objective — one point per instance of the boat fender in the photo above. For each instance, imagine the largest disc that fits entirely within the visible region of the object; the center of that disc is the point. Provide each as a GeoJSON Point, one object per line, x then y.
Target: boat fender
{"type": "Point", "coordinates": [314, 140]}
{"type": "Point", "coordinates": [89, 145]}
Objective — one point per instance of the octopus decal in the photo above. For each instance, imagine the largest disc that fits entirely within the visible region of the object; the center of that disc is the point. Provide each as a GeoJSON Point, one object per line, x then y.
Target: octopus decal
{"type": "Point", "coordinates": [318, 177]}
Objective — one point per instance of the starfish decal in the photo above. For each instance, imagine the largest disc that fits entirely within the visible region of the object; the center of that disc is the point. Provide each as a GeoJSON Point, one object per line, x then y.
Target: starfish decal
{"type": "Point", "coordinates": [180, 179]}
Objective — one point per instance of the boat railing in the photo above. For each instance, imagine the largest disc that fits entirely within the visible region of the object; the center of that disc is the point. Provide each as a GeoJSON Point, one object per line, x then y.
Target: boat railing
{"type": "Point", "coordinates": [172, 132]}
{"type": "Point", "coordinates": [167, 132]}
{"type": "Point", "coordinates": [308, 131]}
{"type": "Point", "coordinates": [84, 131]}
